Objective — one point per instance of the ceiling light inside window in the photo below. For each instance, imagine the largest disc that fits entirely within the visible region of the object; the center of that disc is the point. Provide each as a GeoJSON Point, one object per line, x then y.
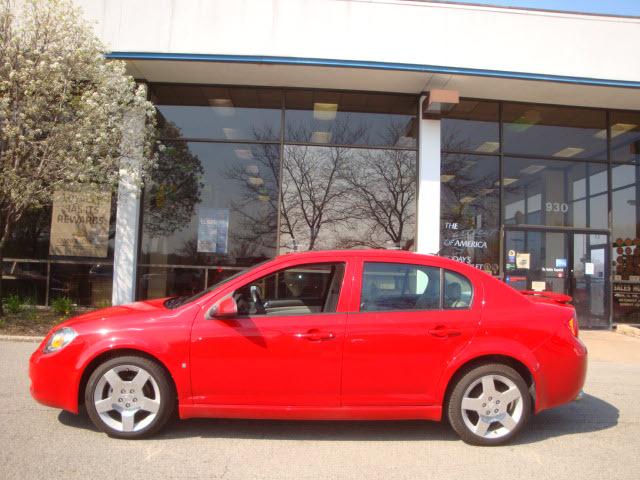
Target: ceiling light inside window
{"type": "Point", "coordinates": [255, 181]}
{"type": "Point", "coordinates": [320, 137]}
{"type": "Point", "coordinates": [223, 106]}
{"type": "Point", "coordinates": [251, 170]}
{"type": "Point", "coordinates": [243, 153]}
{"type": "Point", "coordinates": [568, 152]}
{"type": "Point", "coordinates": [488, 147]}
{"type": "Point", "coordinates": [524, 122]}
{"type": "Point", "coordinates": [446, 178]}
{"type": "Point", "coordinates": [531, 169]}
{"type": "Point", "coordinates": [230, 133]}
{"type": "Point", "coordinates": [616, 129]}
{"type": "Point", "coordinates": [506, 181]}
{"type": "Point", "coordinates": [325, 111]}
{"type": "Point", "coordinates": [467, 199]}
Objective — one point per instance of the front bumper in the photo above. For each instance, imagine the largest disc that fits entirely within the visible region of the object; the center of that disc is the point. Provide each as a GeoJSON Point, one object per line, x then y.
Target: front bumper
{"type": "Point", "coordinates": [54, 378]}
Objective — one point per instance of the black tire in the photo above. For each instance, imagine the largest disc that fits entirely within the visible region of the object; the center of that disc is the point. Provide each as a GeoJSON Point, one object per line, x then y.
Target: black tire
{"type": "Point", "coordinates": [167, 397]}
{"type": "Point", "coordinates": [455, 411]}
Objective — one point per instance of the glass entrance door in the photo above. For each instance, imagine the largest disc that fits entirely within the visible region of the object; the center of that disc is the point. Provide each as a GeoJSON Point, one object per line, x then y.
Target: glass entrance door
{"type": "Point", "coordinates": [572, 263]}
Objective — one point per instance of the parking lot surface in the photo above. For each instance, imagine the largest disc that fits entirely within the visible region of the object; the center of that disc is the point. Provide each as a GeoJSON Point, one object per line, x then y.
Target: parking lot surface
{"type": "Point", "coordinates": [595, 438]}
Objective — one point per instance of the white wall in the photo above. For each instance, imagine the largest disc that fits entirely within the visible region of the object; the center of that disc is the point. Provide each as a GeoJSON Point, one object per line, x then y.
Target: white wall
{"type": "Point", "coordinates": [377, 30]}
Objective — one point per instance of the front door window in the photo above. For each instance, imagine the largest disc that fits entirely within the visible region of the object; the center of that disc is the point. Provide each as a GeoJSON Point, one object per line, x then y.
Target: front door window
{"type": "Point", "coordinates": [571, 263]}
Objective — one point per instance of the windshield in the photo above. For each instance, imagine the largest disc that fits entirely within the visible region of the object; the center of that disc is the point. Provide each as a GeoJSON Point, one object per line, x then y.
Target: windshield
{"type": "Point", "coordinates": [175, 302]}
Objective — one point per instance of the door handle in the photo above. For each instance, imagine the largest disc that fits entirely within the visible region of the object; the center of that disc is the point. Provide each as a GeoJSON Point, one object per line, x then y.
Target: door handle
{"type": "Point", "coordinates": [315, 335]}
{"type": "Point", "coordinates": [441, 331]}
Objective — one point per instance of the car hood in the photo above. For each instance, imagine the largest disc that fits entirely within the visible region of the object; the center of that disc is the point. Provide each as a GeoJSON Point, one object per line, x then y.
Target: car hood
{"type": "Point", "coordinates": [107, 316]}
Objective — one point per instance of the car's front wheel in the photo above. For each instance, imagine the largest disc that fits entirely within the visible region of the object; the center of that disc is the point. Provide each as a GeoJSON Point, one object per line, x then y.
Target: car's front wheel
{"type": "Point", "coordinates": [489, 405]}
{"type": "Point", "coordinates": [129, 397]}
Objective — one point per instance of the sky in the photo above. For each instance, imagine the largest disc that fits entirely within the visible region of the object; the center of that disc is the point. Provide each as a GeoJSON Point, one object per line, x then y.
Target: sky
{"type": "Point", "coordinates": [615, 7]}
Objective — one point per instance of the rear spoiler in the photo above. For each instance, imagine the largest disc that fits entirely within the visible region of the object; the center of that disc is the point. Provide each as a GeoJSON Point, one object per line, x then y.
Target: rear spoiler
{"type": "Point", "coordinates": [551, 297]}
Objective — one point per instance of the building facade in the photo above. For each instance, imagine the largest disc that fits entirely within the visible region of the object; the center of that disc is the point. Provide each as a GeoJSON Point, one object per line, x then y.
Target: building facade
{"type": "Point", "coordinates": [504, 138]}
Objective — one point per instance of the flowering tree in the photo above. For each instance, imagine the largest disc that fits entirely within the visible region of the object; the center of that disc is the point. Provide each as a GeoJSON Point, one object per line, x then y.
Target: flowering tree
{"type": "Point", "coordinates": [68, 117]}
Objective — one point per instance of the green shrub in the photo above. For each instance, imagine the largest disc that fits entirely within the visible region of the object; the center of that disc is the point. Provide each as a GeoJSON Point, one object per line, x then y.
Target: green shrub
{"type": "Point", "coordinates": [103, 304]}
{"type": "Point", "coordinates": [13, 303]}
{"type": "Point", "coordinates": [29, 304]}
{"type": "Point", "coordinates": [62, 306]}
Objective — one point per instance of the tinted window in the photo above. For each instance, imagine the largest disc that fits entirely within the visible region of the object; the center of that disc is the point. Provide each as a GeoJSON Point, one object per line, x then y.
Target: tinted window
{"type": "Point", "coordinates": [349, 118]}
{"type": "Point", "coordinates": [299, 290]}
{"type": "Point", "coordinates": [399, 286]}
{"type": "Point", "coordinates": [458, 292]}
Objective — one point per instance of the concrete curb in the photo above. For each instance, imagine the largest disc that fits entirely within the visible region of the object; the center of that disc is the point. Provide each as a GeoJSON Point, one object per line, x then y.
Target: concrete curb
{"type": "Point", "coordinates": [20, 338]}
{"type": "Point", "coordinates": [628, 330]}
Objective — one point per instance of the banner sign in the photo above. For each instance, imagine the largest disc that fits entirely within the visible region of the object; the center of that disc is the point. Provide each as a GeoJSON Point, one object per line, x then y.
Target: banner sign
{"type": "Point", "coordinates": [213, 230]}
{"type": "Point", "coordinates": [80, 223]}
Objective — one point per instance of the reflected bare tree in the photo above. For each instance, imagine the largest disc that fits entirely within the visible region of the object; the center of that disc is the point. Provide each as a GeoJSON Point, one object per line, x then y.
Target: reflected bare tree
{"type": "Point", "coordinates": [175, 186]}
{"type": "Point", "coordinates": [382, 197]}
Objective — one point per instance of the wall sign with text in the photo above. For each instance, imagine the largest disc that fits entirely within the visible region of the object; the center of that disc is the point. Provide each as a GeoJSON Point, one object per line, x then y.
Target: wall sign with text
{"type": "Point", "coordinates": [80, 223]}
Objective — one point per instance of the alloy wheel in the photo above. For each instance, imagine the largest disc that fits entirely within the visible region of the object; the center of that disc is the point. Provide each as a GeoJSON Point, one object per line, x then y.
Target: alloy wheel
{"type": "Point", "coordinates": [492, 406]}
{"type": "Point", "coordinates": [127, 398]}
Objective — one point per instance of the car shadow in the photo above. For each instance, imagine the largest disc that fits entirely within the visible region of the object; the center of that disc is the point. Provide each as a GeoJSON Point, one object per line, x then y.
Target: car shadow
{"type": "Point", "coordinates": [590, 414]}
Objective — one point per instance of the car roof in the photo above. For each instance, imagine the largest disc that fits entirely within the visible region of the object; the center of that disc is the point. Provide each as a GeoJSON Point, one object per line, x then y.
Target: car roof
{"type": "Point", "coordinates": [375, 255]}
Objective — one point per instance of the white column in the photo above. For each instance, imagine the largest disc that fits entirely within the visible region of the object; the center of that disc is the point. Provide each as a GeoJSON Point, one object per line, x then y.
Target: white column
{"type": "Point", "coordinates": [428, 218]}
{"type": "Point", "coordinates": [125, 257]}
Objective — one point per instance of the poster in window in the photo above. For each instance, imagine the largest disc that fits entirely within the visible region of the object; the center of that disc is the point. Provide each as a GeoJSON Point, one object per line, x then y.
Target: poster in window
{"type": "Point", "coordinates": [213, 230]}
{"type": "Point", "coordinates": [80, 223]}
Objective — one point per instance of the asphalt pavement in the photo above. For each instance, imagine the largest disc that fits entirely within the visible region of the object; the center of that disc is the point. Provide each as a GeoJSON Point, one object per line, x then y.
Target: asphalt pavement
{"type": "Point", "coordinates": [595, 438]}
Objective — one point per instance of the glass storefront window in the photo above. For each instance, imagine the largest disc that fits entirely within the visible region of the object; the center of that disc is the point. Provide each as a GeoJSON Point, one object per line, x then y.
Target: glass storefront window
{"type": "Point", "coordinates": [470, 210]}
{"type": "Point", "coordinates": [625, 137]}
{"type": "Point", "coordinates": [28, 280]}
{"type": "Point", "coordinates": [552, 131]}
{"type": "Point", "coordinates": [217, 113]}
{"type": "Point", "coordinates": [347, 118]}
{"type": "Point", "coordinates": [158, 282]}
{"type": "Point", "coordinates": [472, 126]}
{"type": "Point", "coordinates": [85, 284]}
{"type": "Point", "coordinates": [555, 193]}
{"type": "Point", "coordinates": [211, 204]}
{"type": "Point", "coordinates": [335, 197]}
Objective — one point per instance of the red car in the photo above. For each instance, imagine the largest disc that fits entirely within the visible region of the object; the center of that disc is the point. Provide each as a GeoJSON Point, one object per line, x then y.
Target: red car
{"type": "Point", "coordinates": [334, 335]}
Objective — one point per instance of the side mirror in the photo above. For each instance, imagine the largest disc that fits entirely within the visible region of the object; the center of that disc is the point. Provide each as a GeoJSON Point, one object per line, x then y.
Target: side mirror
{"type": "Point", "coordinates": [225, 308]}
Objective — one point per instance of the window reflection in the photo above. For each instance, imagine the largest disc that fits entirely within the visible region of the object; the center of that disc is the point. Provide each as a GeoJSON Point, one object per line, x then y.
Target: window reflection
{"type": "Point", "coordinates": [334, 197]}
{"type": "Point", "coordinates": [470, 207]}
{"type": "Point", "coordinates": [472, 126]}
{"type": "Point", "coordinates": [217, 113]}
{"type": "Point", "coordinates": [210, 204]}
{"type": "Point", "coordinates": [554, 131]}
{"type": "Point", "coordinates": [555, 193]}
{"type": "Point", "coordinates": [625, 137]}
{"type": "Point", "coordinates": [345, 118]}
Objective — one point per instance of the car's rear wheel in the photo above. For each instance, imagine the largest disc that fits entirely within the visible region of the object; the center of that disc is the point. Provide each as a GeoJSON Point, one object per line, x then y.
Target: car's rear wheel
{"type": "Point", "coordinates": [129, 397]}
{"type": "Point", "coordinates": [489, 405]}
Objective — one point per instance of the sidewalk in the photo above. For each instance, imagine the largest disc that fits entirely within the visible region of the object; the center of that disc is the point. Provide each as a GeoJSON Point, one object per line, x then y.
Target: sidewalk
{"type": "Point", "coordinates": [609, 346]}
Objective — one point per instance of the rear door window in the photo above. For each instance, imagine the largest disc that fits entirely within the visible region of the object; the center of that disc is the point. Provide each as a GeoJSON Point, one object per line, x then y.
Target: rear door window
{"type": "Point", "coordinates": [399, 286]}
{"type": "Point", "coordinates": [457, 292]}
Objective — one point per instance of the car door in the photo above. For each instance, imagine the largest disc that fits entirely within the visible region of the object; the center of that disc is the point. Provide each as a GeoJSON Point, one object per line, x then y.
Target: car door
{"type": "Point", "coordinates": [412, 320]}
{"type": "Point", "coordinates": [285, 345]}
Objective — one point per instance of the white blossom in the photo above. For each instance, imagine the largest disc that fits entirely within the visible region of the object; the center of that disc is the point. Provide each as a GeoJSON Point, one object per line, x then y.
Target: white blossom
{"type": "Point", "coordinates": [63, 109]}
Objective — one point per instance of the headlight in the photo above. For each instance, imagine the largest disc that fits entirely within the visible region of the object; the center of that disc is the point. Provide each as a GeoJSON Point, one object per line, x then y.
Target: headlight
{"type": "Point", "coordinates": [60, 339]}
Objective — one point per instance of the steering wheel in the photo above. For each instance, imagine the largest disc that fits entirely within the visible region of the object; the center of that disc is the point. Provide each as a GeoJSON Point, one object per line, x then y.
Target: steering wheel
{"type": "Point", "coordinates": [257, 300]}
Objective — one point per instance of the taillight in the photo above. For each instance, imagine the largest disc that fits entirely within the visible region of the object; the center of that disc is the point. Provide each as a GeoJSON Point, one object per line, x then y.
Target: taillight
{"type": "Point", "coordinates": [573, 325]}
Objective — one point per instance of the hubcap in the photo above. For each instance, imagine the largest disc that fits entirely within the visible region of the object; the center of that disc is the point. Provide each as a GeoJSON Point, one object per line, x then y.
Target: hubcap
{"type": "Point", "coordinates": [492, 406]}
{"type": "Point", "coordinates": [127, 398]}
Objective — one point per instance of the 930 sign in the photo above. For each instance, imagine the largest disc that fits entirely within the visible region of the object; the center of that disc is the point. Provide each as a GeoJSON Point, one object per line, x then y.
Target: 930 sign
{"type": "Point", "coordinates": [555, 207]}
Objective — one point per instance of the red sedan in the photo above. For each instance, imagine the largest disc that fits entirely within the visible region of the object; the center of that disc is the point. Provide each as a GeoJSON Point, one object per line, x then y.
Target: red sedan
{"type": "Point", "coordinates": [335, 335]}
